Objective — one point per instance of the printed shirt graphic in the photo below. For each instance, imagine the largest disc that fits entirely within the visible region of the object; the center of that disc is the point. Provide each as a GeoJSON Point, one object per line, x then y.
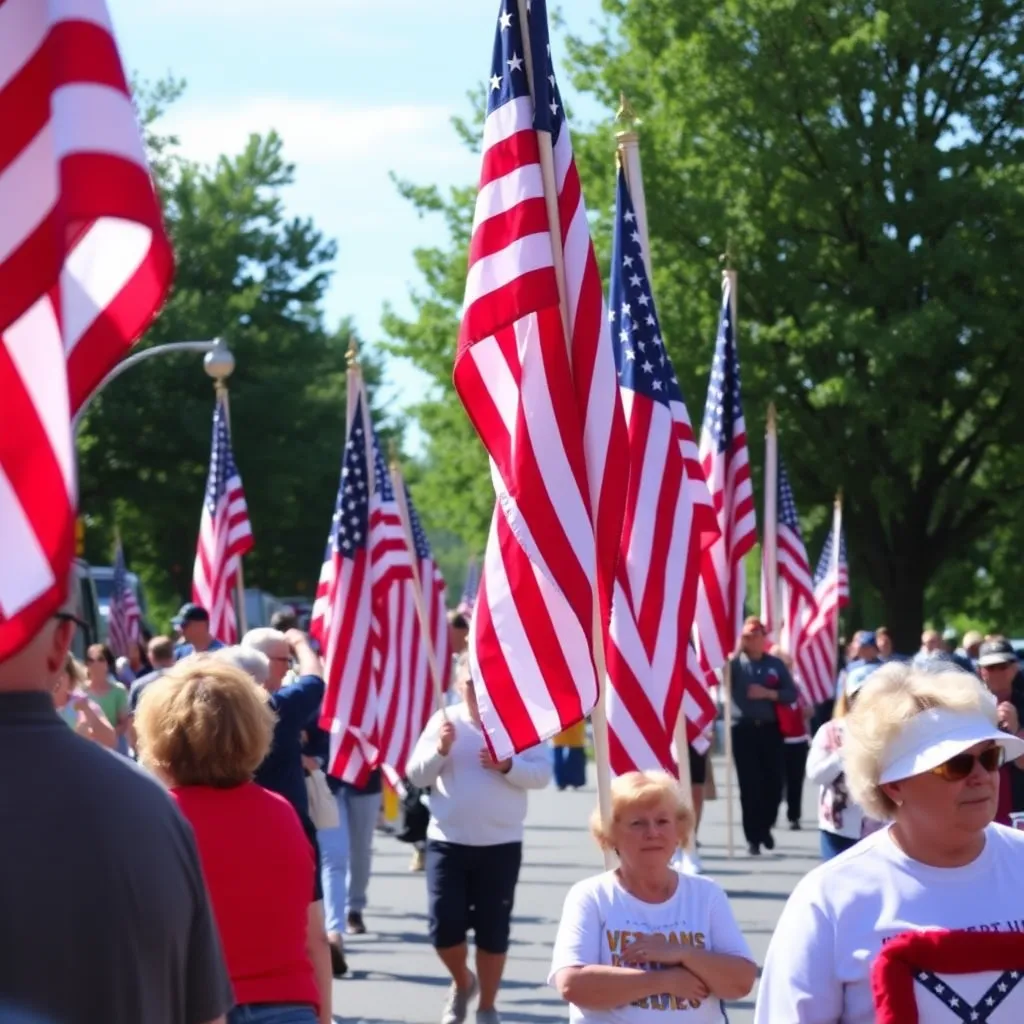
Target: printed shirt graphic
{"type": "Point", "coordinates": [843, 915]}
{"type": "Point", "coordinates": [600, 920]}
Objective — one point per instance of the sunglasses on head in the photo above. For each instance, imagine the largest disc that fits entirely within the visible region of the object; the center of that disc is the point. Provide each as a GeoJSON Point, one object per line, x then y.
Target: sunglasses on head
{"type": "Point", "coordinates": [957, 768]}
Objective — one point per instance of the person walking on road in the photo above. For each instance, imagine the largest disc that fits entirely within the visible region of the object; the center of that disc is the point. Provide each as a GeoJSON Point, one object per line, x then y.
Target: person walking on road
{"type": "Point", "coordinates": [760, 684]}
{"type": "Point", "coordinates": [204, 729]}
{"type": "Point", "coordinates": [644, 936]}
{"type": "Point", "coordinates": [105, 913]}
{"type": "Point", "coordinates": [474, 847]}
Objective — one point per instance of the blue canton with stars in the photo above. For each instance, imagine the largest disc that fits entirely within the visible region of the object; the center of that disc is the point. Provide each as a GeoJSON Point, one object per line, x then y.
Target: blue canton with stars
{"type": "Point", "coordinates": [508, 79]}
{"type": "Point", "coordinates": [640, 356]}
{"type": "Point", "coordinates": [419, 535]}
{"type": "Point", "coordinates": [349, 527]}
{"type": "Point", "coordinates": [723, 409]}
{"type": "Point", "coordinates": [825, 562]}
{"type": "Point", "coordinates": [787, 503]}
{"type": "Point", "coordinates": [382, 477]}
{"type": "Point", "coordinates": [222, 461]}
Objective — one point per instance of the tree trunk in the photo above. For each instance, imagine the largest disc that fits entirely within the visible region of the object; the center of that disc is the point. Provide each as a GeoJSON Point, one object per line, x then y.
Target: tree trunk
{"type": "Point", "coordinates": [903, 600]}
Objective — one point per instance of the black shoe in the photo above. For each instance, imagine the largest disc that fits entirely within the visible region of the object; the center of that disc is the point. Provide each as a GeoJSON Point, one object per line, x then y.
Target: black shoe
{"type": "Point", "coordinates": [794, 826]}
{"type": "Point", "coordinates": [338, 966]}
{"type": "Point", "coordinates": [753, 849]}
{"type": "Point", "coordinates": [769, 841]}
{"type": "Point", "coordinates": [354, 925]}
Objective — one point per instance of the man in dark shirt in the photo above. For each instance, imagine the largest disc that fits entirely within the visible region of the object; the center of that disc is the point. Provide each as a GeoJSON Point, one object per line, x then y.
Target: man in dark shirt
{"type": "Point", "coordinates": [758, 682]}
{"type": "Point", "coordinates": [104, 915]}
{"type": "Point", "coordinates": [194, 622]}
{"type": "Point", "coordinates": [161, 656]}
{"type": "Point", "coordinates": [1001, 670]}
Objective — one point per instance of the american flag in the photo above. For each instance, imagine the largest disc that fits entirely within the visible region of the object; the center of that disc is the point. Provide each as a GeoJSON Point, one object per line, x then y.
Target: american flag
{"type": "Point", "coordinates": [817, 649]}
{"type": "Point", "coordinates": [669, 522]}
{"type": "Point", "coordinates": [84, 267]}
{"type": "Point", "coordinates": [342, 612]}
{"type": "Point", "coordinates": [726, 462]}
{"type": "Point", "coordinates": [796, 587]}
{"type": "Point", "coordinates": [406, 695]}
{"type": "Point", "coordinates": [547, 412]}
{"type": "Point", "coordinates": [125, 623]}
{"type": "Point", "coordinates": [469, 589]}
{"type": "Point", "coordinates": [225, 533]}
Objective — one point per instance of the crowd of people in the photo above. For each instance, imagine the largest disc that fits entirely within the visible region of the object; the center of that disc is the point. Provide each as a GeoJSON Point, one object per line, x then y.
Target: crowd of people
{"type": "Point", "coordinates": [226, 894]}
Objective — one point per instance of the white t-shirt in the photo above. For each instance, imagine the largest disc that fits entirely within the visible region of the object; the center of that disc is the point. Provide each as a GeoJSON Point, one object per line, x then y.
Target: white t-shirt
{"type": "Point", "coordinates": [599, 919]}
{"type": "Point", "coordinates": [818, 968]}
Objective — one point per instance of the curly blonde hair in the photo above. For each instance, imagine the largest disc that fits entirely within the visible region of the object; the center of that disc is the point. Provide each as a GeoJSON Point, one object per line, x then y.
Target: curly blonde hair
{"type": "Point", "coordinates": [204, 723]}
{"type": "Point", "coordinates": [641, 789]}
{"type": "Point", "coordinates": [894, 695]}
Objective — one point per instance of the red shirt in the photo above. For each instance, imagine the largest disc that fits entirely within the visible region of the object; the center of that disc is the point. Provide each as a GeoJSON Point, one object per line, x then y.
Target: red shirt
{"type": "Point", "coordinates": [258, 866]}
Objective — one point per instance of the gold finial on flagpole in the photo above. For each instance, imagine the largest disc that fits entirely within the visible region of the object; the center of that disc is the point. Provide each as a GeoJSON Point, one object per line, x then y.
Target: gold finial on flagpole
{"type": "Point", "coordinates": [392, 453]}
{"type": "Point", "coordinates": [771, 417]}
{"type": "Point", "coordinates": [726, 257]}
{"type": "Point", "coordinates": [352, 355]}
{"type": "Point", "coordinates": [839, 498]}
{"type": "Point", "coordinates": [625, 117]}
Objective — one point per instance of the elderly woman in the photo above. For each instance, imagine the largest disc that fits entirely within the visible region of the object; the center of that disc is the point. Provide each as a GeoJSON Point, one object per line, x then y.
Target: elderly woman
{"type": "Point", "coordinates": [474, 846]}
{"type": "Point", "coordinates": [645, 937]}
{"type": "Point", "coordinates": [922, 751]}
{"type": "Point", "coordinates": [204, 728]}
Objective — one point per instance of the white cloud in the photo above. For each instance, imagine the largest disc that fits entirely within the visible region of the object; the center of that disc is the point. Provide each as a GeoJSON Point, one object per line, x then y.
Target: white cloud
{"type": "Point", "coordinates": [320, 133]}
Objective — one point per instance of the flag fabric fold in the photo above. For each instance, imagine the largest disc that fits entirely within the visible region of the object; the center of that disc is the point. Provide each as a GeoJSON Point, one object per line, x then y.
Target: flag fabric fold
{"type": "Point", "coordinates": [726, 462]}
{"type": "Point", "coordinates": [546, 408]}
{"type": "Point", "coordinates": [225, 533]}
{"type": "Point", "coordinates": [85, 265]}
{"type": "Point", "coordinates": [342, 610]}
{"type": "Point", "coordinates": [669, 522]}
{"type": "Point", "coordinates": [124, 627]}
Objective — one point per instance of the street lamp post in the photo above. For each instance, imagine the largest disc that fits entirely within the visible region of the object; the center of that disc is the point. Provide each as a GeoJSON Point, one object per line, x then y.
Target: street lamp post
{"type": "Point", "coordinates": [219, 364]}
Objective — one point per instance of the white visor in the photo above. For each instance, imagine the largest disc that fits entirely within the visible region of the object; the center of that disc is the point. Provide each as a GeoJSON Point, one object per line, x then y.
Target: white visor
{"type": "Point", "coordinates": [934, 736]}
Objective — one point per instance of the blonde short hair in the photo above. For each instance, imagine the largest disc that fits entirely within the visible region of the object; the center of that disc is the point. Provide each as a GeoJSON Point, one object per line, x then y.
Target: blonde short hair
{"type": "Point", "coordinates": [204, 723]}
{"type": "Point", "coordinates": [888, 700]}
{"type": "Point", "coordinates": [641, 789]}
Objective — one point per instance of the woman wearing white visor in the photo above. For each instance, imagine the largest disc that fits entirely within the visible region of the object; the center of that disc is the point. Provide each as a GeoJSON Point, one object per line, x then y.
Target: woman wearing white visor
{"type": "Point", "coordinates": [922, 752]}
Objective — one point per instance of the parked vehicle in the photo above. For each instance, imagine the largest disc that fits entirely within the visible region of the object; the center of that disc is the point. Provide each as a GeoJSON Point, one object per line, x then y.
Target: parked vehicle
{"type": "Point", "coordinates": [86, 607]}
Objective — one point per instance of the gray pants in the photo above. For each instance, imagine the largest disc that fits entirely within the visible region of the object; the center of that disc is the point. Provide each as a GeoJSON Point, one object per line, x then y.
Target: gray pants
{"type": "Point", "coordinates": [346, 853]}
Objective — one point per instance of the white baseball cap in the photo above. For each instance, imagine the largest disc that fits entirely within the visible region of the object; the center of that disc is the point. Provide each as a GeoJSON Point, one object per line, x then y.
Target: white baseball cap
{"type": "Point", "coordinates": [935, 735]}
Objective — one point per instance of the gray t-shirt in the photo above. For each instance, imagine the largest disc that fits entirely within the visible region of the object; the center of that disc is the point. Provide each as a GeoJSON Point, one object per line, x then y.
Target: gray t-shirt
{"type": "Point", "coordinates": [104, 915]}
{"type": "Point", "coordinates": [767, 671]}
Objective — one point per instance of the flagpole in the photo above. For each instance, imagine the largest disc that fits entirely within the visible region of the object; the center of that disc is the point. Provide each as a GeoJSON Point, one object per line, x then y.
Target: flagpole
{"type": "Point", "coordinates": [771, 614]}
{"type": "Point", "coordinates": [629, 154]}
{"type": "Point", "coordinates": [729, 277]}
{"type": "Point", "coordinates": [398, 484]}
{"type": "Point", "coordinates": [837, 536]}
{"type": "Point", "coordinates": [598, 717]}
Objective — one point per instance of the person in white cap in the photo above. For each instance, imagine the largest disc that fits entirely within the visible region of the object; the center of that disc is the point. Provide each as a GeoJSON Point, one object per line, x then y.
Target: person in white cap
{"type": "Point", "coordinates": [921, 751]}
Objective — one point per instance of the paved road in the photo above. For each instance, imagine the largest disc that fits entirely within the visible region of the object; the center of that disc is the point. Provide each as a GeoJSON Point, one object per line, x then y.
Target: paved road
{"type": "Point", "coordinates": [395, 977]}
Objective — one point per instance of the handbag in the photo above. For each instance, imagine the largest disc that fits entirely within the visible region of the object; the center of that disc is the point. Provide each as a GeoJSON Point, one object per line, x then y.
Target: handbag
{"type": "Point", "coordinates": [323, 811]}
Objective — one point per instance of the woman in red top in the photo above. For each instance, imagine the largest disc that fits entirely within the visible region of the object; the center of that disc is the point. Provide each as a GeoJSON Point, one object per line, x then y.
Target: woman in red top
{"type": "Point", "coordinates": [204, 728]}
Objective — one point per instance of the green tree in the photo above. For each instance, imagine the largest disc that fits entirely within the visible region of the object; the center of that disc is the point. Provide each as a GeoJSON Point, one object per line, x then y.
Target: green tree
{"type": "Point", "coordinates": [246, 272]}
{"type": "Point", "coordinates": [862, 164]}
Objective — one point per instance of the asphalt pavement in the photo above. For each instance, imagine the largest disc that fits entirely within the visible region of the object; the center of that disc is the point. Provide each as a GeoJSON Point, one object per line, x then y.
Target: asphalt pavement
{"type": "Point", "coordinates": [395, 978]}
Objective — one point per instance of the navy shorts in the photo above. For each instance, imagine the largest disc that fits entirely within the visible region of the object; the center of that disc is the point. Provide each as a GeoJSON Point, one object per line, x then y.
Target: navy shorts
{"type": "Point", "coordinates": [472, 887]}
{"type": "Point", "coordinates": [698, 767]}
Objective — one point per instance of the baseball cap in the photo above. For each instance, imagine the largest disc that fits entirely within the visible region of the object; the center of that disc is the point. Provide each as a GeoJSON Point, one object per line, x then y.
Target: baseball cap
{"type": "Point", "coordinates": [190, 612]}
{"type": "Point", "coordinates": [867, 638]}
{"type": "Point", "coordinates": [935, 735]}
{"type": "Point", "coordinates": [996, 652]}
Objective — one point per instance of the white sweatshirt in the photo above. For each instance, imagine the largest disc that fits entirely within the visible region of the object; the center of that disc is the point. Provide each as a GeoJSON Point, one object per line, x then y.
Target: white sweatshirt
{"type": "Point", "coordinates": [837, 811]}
{"type": "Point", "coordinates": [469, 804]}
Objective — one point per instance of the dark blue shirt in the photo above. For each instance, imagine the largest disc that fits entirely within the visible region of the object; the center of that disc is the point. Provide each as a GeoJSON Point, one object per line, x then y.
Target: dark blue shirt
{"type": "Point", "coordinates": [296, 707]}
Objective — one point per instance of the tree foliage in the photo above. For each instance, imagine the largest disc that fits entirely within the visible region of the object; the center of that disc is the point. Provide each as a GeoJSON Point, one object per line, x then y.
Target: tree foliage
{"type": "Point", "coordinates": [861, 162]}
{"type": "Point", "coordinates": [248, 273]}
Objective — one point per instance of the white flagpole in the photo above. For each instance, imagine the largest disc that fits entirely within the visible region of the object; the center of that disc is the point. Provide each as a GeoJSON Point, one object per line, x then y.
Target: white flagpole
{"type": "Point", "coordinates": [629, 154]}
{"type": "Point", "coordinates": [729, 277]}
{"type": "Point", "coordinates": [770, 612]}
{"type": "Point", "coordinates": [598, 718]}
{"type": "Point", "coordinates": [837, 537]}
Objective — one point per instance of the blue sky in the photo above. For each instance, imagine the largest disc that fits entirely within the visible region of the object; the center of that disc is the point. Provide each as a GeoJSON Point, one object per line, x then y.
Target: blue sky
{"type": "Point", "coordinates": [357, 89]}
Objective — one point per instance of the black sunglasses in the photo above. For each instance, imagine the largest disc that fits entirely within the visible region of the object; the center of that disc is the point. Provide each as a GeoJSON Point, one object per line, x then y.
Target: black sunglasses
{"type": "Point", "coordinates": [68, 617]}
{"type": "Point", "coordinates": [958, 767]}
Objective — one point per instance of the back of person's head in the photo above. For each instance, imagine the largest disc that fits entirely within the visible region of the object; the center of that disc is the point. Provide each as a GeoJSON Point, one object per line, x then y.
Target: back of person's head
{"type": "Point", "coordinates": [36, 665]}
{"type": "Point", "coordinates": [266, 639]}
{"type": "Point", "coordinates": [458, 621]}
{"type": "Point", "coordinates": [284, 620]}
{"type": "Point", "coordinates": [252, 662]}
{"type": "Point", "coordinates": [161, 652]}
{"type": "Point", "coordinates": [203, 723]}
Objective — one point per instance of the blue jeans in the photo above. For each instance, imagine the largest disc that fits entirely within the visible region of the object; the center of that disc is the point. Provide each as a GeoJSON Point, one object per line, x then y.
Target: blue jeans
{"type": "Point", "coordinates": [346, 853]}
{"type": "Point", "coordinates": [273, 1013]}
{"type": "Point", "coordinates": [833, 845]}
